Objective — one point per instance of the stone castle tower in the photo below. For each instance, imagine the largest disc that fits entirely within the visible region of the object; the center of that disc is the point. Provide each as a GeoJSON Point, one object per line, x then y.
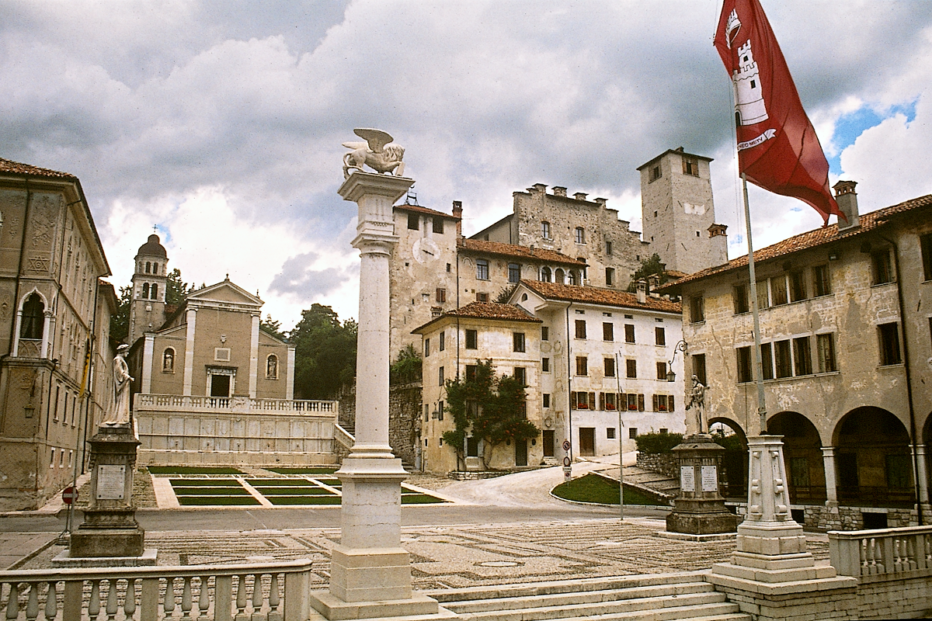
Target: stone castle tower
{"type": "Point", "coordinates": [678, 212]}
{"type": "Point", "coordinates": [150, 279]}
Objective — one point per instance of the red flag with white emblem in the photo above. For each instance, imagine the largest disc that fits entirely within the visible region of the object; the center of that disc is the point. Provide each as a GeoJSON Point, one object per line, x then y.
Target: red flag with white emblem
{"type": "Point", "coordinates": [778, 149]}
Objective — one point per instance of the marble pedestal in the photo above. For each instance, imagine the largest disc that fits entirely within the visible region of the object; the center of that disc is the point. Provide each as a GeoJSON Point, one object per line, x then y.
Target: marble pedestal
{"type": "Point", "coordinates": [699, 509]}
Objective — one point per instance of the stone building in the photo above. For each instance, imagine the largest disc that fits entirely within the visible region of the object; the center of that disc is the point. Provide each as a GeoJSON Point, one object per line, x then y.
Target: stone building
{"type": "Point", "coordinates": [678, 214]}
{"type": "Point", "coordinates": [55, 353]}
{"type": "Point", "coordinates": [845, 316]}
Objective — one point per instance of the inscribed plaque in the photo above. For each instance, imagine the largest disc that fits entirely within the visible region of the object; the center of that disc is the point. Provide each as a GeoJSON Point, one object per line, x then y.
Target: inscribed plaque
{"type": "Point", "coordinates": [687, 479]}
{"type": "Point", "coordinates": [709, 479]}
{"type": "Point", "coordinates": [111, 482]}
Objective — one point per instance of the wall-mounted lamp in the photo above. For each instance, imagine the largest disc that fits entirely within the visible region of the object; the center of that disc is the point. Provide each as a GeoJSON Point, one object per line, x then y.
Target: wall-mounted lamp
{"type": "Point", "coordinates": [682, 346]}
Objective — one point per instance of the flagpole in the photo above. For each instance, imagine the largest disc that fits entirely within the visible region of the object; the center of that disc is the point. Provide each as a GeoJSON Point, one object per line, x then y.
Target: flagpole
{"type": "Point", "coordinates": [758, 366]}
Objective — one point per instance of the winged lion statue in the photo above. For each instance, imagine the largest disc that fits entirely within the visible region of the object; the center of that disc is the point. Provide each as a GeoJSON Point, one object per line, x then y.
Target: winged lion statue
{"type": "Point", "coordinates": [378, 152]}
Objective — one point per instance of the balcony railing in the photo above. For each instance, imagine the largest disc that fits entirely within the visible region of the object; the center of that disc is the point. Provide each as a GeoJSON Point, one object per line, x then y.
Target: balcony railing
{"type": "Point", "coordinates": [254, 592]}
{"type": "Point", "coordinates": [883, 552]}
{"type": "Point", "coordinates": [233, 404]}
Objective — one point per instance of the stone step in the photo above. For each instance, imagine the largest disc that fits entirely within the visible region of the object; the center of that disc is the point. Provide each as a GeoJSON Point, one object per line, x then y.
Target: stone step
{"type": "Point", "coordinates": [700, 613]}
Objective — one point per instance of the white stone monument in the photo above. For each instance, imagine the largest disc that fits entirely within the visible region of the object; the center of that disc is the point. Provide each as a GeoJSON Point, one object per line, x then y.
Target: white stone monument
{"type": "Point", "coordinates": [370, 573]}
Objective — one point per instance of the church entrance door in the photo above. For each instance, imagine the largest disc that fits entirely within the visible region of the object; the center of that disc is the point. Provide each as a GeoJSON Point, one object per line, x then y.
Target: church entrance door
{"type": "Point", "coordinates": [219, 385]}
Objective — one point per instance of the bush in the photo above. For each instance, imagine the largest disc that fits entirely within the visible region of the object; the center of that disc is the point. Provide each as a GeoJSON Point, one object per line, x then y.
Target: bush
{"type": "Point", "coordinates": [653, 443]}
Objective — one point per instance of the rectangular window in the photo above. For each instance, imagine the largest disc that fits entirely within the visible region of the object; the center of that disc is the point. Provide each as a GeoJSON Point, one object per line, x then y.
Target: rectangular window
{"type": "Point", "coordinates": [546, 400]}
{"type": "Point", "coordinates": [611, 400]}
{"type": "Point", "coordinates": [610, 433]}
{"type": "Point", "coordinates": [609, 364]}
{"type": "Point", "coordinates": [440, 375]}
{"type": "Point", "coordinates": [608, 248]}
{"type": "Point", "coordinates": [802, 356]}
{"type": "Point", "coordinates": [482, 297]}
{"type": "Point", "coordinates": [662, 371]}
{"type": "Point", "coordinates": [696, 309]}
{"type": "Point", "coordinates": [471, 370]}
{"type": "Point", "coordinates": [545, 333]}
{"type": "Point", "coordinates": [699, 368]}
{"type": "Point", "coordinates": [443, 341]}
{"type": "Point", "coordinates": [632, 401]}
{"type": "Point", "coordinates": [631, 368]}
{"type": "Point", "coordinates": [629, 333]}
{"type": "Point", "coordinates": [482, 269]}
{"type": "Point", "coordinates": [441, 295]}
{"type": "Point", "coordinates": [472, 339]}
{"type": "Point", "coordinates": [821, 285]}
{"type": "Point", "coordinates": [514, 272]}
{"type": "Point", "coordinates": [889, 344]}
{"type": "Point", "coordinates": [633, 431]}
{"type": "Point", "coordinates": [778, 295]}
{"type": "Point", "coordinates": [582, 365]}
{"type": "Point", "coordinates": [426, 348]}
{"type": "Point", "coordinates": [521, 375]}
{"type": "Point", "coordinates": [583, 400]}
{"type": "Point", "coordinates": [740, 294]}
{"type": "Point", "coordinates": [608, 331]}
{"type": "Point", "coordinates": [545, 365]}
{"type": "Point", "coordinates": [660, 336]}
{"type": "Point", "coordinates": [881, 267]}
{"type": "Point", "coordinates": [609, 276]}
{"type": "Point", "coordinates": [691, 166]}
{"type": "Point", "coordinates": [784, 362]}
{"type": "Point", "coordinates": [545, 230]}
{"type": "Point", "coordinates": [745, 373]}
{"type": "Point", "coordinates": [763, 296]}
{"type": "Point", "coordinates": [413, 221]}
{"type": "Point", "coordinates": [766, 361]}
{"type": "Point", "coordinates": [580, 235]}
{"type": "Point", "coordinates": [663, 403]}
{"type": "Point", "coordinates": [438, 225]}
{"type": "Point", "coordinates": [426, 412]}
{"type": "Point", "coordinates": [925, 243]}
{"type": "Point", "coordinates": [797, 286]}
{"type": "Point", "coordinates": [825, 349]}
{"type": "Point", "coordinates": [580, 328]}
{"type": "Point", "coordinates": [518, 341]}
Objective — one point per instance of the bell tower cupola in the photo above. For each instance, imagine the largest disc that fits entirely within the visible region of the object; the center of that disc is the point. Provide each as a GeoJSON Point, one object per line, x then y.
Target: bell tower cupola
{"type": "Point", "coordinates": [150, 278]}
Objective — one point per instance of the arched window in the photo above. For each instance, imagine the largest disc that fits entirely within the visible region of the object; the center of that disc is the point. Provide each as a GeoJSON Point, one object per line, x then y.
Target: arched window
{"type": "Point", "coordinates": [155, 268]}
{"type": "Point", "coordinates": [271, 367]}
{"type": "Point", "coordinates": [559, 276]}
{"type": "Point", "coordinates": [168, 360]}
{"type": "Point", "coordinates": [148, 267]}
{"type": "Point", "coordinates": [154, 292]}
{"type": "Point", "coordinates": [145, 289]}
{"type": "Point", "coordinates": [571, 277]}
{"type": "Point", "coordinates": [33, 318]}
{"type": "Point", "coordinates": [545, 274]}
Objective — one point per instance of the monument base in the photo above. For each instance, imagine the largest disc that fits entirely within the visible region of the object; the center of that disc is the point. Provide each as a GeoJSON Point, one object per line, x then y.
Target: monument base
{"type": "Point", "coordinates": [420, 606]}
{"type": "Point", "coordinates": [705, 523]}
{"type": "Point", "coordinates": [105, 542]}
{"type": "Point", "coordinates": [65, 560]}
{"type": "Point", "coordinates": [699, 509]}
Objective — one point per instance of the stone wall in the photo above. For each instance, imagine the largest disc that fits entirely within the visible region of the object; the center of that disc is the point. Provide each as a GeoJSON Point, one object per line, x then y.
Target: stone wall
{"type": "Point", "coordinates": [404, 407]}
{"type": "Point", "coordinates": [662, 463]}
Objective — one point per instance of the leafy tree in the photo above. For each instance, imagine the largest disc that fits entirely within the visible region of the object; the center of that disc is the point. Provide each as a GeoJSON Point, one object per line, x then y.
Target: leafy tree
{"type": "Point", "coordinates": [325, 353]}
{"type": "Point", "coordinates": [271, 326]}
{"type": "Point", "coordinates": [492, 407]}
{"type": "Point", "coordinates": [119, 321]}
{"type": "Point", "coordinates": [176, 290]}
{"type": "Point", "coordinates": [505, 294]}
{"type": "Point", "coordinates": [407, 367]}
{"type": "Point", "coordinates": [649, 267]}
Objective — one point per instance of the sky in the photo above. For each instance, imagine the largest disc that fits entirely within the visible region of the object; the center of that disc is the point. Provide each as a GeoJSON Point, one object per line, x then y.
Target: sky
{"type": "Point", "coordinates": [220, 122]}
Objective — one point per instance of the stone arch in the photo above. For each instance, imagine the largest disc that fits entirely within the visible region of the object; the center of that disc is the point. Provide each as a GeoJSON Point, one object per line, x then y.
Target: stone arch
{"type": "Point", "coordinates": [802, 456]}
{"type": "Point", "coordinates": [545, 274]}
{"type": "Point", "coordinates": [873, 459]}
{"type": "Point", "coordinates": [559, 276]}
{"type": "Point", "coordinates": [735, 460]}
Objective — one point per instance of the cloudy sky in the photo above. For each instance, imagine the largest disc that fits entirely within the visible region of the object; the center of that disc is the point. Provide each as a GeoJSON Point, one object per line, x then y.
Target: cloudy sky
{"type": "Point", "coordinates": [220, 121]}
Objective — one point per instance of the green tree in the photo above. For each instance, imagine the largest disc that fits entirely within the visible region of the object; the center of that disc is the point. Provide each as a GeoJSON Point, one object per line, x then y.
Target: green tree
{"type": "Point", "coordinates": [649, 267]}
{"type": "Point", "coordinates": [119, 321]}
{"type": "Point", "coordinates": [325, 353]}
{"type": "Point", "coordinates": [491, 407]}
{"type": "Point", "coordinates": [407, 367]}
{"type": "Point", "coordinates": [271, 326]}
{"type": "Point", "coordinates": [176, 289]}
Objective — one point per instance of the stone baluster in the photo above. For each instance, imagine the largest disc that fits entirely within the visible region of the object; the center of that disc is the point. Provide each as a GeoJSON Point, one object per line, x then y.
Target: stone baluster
{"type": "Point", "coordinates": [241, 598]}
{"type": "Point", "coordinates": [32, 602]}
{"type": "Point", "coordinates": [186, 599]}
{"type": "Point", "coordinates": [257, 598]}
{"type": "Point", "coordinates": [12, 606]}
{"type": "Point", "coordinates": [168, 605]}
{"type": "Point", "coordinates": [93, 608]}
{"type": "Point", "coordinates": [112, 599]}
{"type": "Point", "coordinates": [203, 600]}
{"type": "Point", "coordinates": [129, 599]}
{"type": "Point", "coordinates": [275, 613]}
{"type": "Point", "coordinates": [51, 601]}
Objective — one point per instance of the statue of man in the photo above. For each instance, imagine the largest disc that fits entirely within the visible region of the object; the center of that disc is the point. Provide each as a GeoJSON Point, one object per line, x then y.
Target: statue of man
{"type": "Point", "coordinates": [118, 412]}
{"type": "Point", "coordinates": [697, 400]}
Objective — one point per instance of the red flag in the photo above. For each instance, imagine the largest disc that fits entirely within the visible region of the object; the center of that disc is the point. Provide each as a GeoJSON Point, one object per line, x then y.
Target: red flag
{"type": "Point", "coordinates": [778, 149]}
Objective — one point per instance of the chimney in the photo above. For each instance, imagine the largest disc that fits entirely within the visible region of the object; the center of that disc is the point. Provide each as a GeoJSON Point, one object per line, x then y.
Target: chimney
{"type": "Point", "coordinates": [538, 187]}
{"type": "Point", "coordinates": [559, 190]}
{"type": "Point", "coordinates": [436, 311]}
{"type": "Point", "coordinates": [653, 281]}
{"type": "Point", "coordinates": [642, 291]}
{"type": "Point", "coordinates": [601, 201]}
{"type": "Point", "coordinates": [847, 200]}
{"type": "Point", "coordinates": [580, 196]}
{"type": "Point", "coordinates": [458, 214]}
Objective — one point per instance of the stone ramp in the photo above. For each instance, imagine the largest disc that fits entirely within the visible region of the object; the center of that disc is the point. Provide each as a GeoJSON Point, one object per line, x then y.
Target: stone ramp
{"type": "Point", "coordinates": [657, 597]}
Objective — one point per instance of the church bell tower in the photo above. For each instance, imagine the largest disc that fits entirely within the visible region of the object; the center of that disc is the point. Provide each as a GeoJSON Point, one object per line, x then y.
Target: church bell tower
{"type": "Point", "coordinates": [150, 279]}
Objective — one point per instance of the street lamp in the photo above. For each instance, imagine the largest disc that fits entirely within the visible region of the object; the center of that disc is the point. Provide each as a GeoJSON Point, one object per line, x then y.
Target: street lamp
{"type": "Point", "coordinates": [682, 346]}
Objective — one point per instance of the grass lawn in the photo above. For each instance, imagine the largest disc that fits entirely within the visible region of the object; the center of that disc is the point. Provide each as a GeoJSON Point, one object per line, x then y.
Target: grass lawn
{"type": "Point", "coordinates": [305, 500]}
{"type": "Point", "coordinates": [319, 470]}
{"type": "Point", "coordinates": [217, 500]}
{"type": "Point", "coordinates": [294, 491]}
{"type": "Point", "coordinates": [210, 491]}
{"type": "Point", "coordinates": [595, 489]}
{"type": "Point", "coordinates": [192, 470]}
{"type": "Point", "coordinates": [419, 499]}
{"type": "Point", "coordinates": [280, 483]}
{"type": "Point", "coordinates": [205, 483]}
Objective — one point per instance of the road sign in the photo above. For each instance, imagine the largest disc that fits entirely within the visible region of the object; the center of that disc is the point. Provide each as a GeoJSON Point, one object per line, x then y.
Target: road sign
{"type": "Point", "coordinates": [69, 495]}
{"type": "Point", "coordinates": [566, 462]}
{"type": "Point", "coordinates": [566, 445]}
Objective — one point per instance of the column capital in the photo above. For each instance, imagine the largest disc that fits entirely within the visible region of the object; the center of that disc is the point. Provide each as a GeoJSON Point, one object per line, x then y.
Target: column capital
{"type": "Point", "coordinates": [361, 184]}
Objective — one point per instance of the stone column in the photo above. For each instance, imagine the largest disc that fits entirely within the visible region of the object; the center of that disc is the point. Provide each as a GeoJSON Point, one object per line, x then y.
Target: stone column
{"type": "Point", "coordinates": [370, 573]}
{"type": "Point", "coordinates": [254, 357]}
{"type": "Point", "coordinates": [148, 353]}
{"type": "Point", "coordinates": [831, 489]}
{"type": "Point", "coordinates": [191, 321]}
{"type": "Point", "coordinates": [921, 476]}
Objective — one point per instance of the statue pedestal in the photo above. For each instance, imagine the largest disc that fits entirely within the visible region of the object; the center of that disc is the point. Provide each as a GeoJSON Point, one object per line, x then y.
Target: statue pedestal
{"type": "Point", "coordinates": [700, 509]}
{"type": "Point", "coordinates": [110, 531]}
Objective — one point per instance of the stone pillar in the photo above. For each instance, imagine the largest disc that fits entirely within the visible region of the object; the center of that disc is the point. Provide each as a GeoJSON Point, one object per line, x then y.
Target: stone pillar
{"type": "Point", "coordinates": [922, 478]}
{"type": "Point", "coordinates": [370, 573]}
{"type": "Point", "coordinates": [831, 489]}
{"type": "Point", "coordinates": [191, 321]}
{"type": "Point", "coordinates": [148, 353]}
{"type": "Point", "coordinates": [254, 357]}
{"type": "Point", "coordinates": [699, 509]}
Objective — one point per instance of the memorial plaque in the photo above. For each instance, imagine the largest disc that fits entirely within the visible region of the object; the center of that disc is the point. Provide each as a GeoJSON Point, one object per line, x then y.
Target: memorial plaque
{"type": "Point", "coordinates": [709, 479]}
{"type": "Point", "coordinates": [111, 482]}
{"type": "Point", "coordinates": [687, 479]}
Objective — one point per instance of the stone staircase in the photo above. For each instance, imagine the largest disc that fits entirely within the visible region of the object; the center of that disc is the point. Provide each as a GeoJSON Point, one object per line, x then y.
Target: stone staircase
{"type": "Point", "coordinates": [651, 597]}
{"type": "Point", "coordinates": [653, 480]}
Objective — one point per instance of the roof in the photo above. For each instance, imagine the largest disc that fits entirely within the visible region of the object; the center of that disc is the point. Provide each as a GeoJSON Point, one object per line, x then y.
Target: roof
{"type": "Point", "coordinates": [16, 168]}
{"type": "Point", "coordinates": [811, 239]}
{"type": "Point", "coordinates": [484, 310]}
{"type": "Point", "coordinates": [425, 210]}
{"type": "Point", "coordinates": [522, 252]}
{"type": "Point", "coordinates": [676, 150]}
{"type": "Point", "coordinates": [152, 248]}
{"type": "Point", "coordinates": [598, 295]}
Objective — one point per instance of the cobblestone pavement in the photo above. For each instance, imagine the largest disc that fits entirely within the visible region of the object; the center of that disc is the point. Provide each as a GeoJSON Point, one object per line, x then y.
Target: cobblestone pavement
{"type": "Point", "coordinates": [463, 556]}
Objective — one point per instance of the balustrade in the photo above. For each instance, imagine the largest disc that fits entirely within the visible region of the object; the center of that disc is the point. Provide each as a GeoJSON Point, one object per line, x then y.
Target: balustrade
{"type": "Point", "coordinates": [888, 551]}
{"type": "Point", "coordinates": [225, 404]}
{"type": "Point", "coordinates": [254, 592]}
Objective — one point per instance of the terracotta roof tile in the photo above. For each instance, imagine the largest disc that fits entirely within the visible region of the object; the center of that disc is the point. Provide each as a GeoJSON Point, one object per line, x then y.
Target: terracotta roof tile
{"type": "Point", "coordinates": [485, 310]}
{"type": "Point", "coordinates": [425, 210]}
{"type": "Point", "coordinates": [597, 295]}
{"type": "Point", "coordinates": [510, 250]}
{"type": "Point", "coordinates": [810, 239]}
{"type": "Point", "coordinates": [16, 168]}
